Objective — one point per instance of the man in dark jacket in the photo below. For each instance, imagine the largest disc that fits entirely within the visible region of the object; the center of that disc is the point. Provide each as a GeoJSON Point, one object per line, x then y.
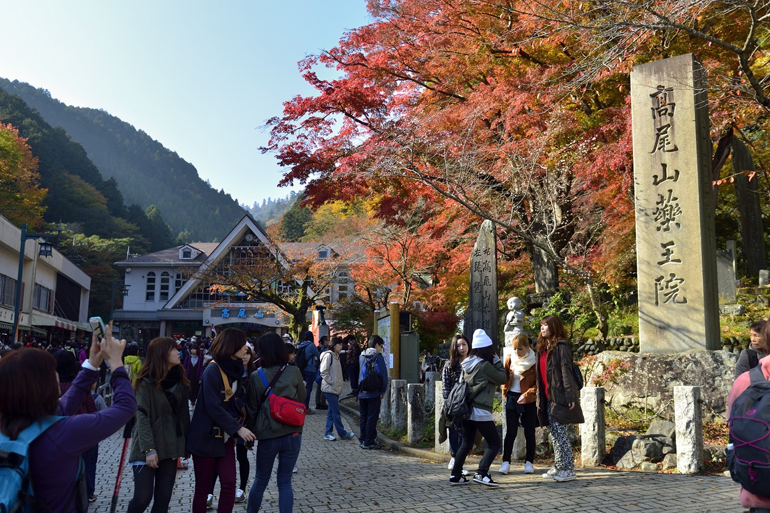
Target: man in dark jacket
{"type": "Point", "coordinates": [310, 357]}
{"type": "Point", "coordinates": [369, 400]}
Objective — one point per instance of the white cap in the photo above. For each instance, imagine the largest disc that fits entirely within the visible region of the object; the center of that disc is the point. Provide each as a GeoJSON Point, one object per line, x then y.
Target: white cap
{"type": "Point", "coordinates": [480, 339]}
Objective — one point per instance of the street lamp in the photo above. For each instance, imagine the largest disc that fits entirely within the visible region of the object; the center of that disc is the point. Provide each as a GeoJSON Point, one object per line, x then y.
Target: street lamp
{"type": "Point", "coordinates": [123, 289]}
{"type": "Point", "coordinates": [46, 250]}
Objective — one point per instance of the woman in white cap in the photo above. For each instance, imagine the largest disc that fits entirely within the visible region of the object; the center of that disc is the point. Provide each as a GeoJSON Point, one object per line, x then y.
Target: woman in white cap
{"type": "Point", "coordinates": [484, 373]}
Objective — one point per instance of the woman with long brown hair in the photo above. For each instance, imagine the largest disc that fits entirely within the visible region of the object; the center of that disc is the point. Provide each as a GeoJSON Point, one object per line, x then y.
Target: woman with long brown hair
{"type": "Point", "coordinates": [558, 396]}
{"type": "Point", "coordinates": [162, 419]}
{"type": "Point", "coordinates": [450, 375]}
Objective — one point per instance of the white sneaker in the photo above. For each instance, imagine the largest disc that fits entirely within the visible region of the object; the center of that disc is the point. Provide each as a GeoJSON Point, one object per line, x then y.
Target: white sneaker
{"type": "Point", "coordinates": [528, 468]}
{"type": "Point", "coordinates": [451, 464]}
{"type": "Point", "coordinates": [294, 470]}
{"type": "Point", "coordinates": [467, 473]}
{"type": "Point", "coordinates": [505, 467]}
{"type": "Point", "coordinates": [239, 495]}
{"type": "Point", "coordinates": [329, 438]}
{"type": "Point", "coordinates": [484, 479]}
{"type": "Point", "coordinates": [550, 474]}
{"type": "Point", "coordinates": [210, 502]}
{"type": "Point", "coordinates": [564, 476]}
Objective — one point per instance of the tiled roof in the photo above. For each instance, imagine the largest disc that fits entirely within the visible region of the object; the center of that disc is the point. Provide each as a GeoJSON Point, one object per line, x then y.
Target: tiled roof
{"type": "Point", "coordinates": [170, 255]}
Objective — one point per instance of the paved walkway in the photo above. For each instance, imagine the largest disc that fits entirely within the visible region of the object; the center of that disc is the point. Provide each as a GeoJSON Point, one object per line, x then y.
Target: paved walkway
{"type": "Point", "coordinates": [340, 477]}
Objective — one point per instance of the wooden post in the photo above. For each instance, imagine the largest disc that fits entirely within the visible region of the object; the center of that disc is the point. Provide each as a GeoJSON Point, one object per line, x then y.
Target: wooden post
{"type": "Point", "coordinates": [395, 341]}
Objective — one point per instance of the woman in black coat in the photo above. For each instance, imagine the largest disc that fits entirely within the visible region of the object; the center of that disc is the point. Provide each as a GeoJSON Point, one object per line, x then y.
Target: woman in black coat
{"type": "Point", "coordinates": [558, 396]}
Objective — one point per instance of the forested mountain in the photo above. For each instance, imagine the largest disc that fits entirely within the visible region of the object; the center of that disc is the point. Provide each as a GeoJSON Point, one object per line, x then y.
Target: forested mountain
{"type": "Point", "coordinates": [271, 210]}
{"type": "Point", "coordinates": [144, 171]}
{"type": "Point", "coordinates": [77, 193]}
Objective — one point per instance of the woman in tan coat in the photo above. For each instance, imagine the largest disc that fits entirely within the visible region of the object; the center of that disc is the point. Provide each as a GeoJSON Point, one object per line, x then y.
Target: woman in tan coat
{"type": "Point", "coordinates": [331, 386]}
{"type": "Point", "coordinates": [520, 392]}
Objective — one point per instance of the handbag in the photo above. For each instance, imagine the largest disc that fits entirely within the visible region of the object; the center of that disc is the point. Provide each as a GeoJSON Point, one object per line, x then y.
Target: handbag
{"type": "Point", "coordinates": [284, 410]}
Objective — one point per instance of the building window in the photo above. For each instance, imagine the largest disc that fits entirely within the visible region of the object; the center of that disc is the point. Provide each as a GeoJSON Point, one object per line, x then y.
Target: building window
{"type": "Point", "coordinates": [323, 253]}
{"type": "Point", "coordinates": [43, 299]}
{"type": "Point", "coordinates": [165, 281]}
{"type": "Point", "coordinates": [150, 294]}
{"type": "Point", "coordinates": [186, 254]}
{"type": "Point", "coordinates": [7, 290]}
{"type": "Point", "coordinates": [178, 282]}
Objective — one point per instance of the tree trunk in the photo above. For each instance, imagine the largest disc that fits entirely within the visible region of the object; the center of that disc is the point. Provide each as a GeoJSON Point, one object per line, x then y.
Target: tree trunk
{"type": "Point", "coordinates": [545, 270]}
{"type": "Point", "coordinates": [747, 194]}
{"type": "Point", "coordinates": [596, 305]}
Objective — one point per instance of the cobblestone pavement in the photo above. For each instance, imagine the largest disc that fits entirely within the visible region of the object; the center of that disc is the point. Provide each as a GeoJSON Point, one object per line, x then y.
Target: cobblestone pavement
{"type": "Point", "coordinates": [340, 477]}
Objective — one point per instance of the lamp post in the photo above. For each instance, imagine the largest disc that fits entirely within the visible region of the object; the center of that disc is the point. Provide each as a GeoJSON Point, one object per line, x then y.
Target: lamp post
{"type": "Point", "coordinates": [46, 250]}
{"type": "Point", "coordinates": [123, 289]}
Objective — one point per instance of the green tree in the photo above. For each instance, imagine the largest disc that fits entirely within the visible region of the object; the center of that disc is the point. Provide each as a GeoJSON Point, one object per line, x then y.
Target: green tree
{"type": "Point", "coordinates": [295, 222]}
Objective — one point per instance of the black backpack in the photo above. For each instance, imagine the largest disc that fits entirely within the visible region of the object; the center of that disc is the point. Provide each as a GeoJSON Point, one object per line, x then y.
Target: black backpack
{"type": "Point", "coordinates": [577, 376]}
{"type": "Point", "coordinates": [748, 454]}
{"type": "Point", "coordinates": [370, 381]}
{"type": "Point", "coordinates": [301, 359]}
{"type": "Point", "coordinates": [457, 406]}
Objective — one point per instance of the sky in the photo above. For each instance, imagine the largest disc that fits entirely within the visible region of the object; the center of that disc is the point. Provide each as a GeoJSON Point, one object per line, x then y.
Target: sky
{"type": "Point", "coordinates": [202, 78]}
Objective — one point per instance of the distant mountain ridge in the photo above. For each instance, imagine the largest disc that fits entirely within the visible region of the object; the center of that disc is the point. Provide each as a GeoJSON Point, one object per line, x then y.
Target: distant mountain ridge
{"type": "Point", "coordinates": [146, 172]}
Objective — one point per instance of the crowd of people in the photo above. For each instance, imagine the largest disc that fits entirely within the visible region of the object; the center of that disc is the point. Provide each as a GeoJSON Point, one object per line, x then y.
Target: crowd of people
{"type": "Point", "coordinates": [211, 400]}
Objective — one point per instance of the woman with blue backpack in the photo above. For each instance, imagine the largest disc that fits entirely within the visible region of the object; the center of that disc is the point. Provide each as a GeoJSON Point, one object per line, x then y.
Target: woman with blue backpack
{"type": "Point", "coordinates": [28, 409]}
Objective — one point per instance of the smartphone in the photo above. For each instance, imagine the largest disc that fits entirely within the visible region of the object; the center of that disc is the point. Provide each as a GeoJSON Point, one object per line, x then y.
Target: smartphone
{"type": "Point", "coordinates": [98, 326]}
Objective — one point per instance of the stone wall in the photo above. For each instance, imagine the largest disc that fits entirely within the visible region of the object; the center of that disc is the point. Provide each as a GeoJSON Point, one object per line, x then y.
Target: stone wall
{"type": "Point", "coordinates": [647, 381]}
{"type": "Point", "coordinates": [631, 345]}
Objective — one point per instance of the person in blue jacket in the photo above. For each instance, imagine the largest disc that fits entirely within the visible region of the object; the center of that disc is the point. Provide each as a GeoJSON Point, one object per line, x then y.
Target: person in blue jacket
{"type": "Point", "coordinates": [369, 400]}
{"type": "Point", "coordinates": [310, 358]}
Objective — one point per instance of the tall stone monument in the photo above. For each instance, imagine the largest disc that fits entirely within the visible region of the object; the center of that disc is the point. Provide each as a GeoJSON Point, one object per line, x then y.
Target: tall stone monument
{"type": "Point", "coordinates": [675, 243]}
{"type": "Point", "coordinates": [482, 298]}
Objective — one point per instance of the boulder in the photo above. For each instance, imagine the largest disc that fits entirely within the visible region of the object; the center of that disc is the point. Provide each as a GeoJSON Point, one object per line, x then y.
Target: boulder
{"type": "Point", "coordinates": [646, 466]}
{"type": "Point", "coordinates": [647, 450]}
{"type": "Point", "coordinates": [737, 309]}
{"type": "Point", "coordinates": [662, 427]}
{"type": "Point", "coordinates": [649, 380]}
{"type": "Point", "coordinates": [669, 461]}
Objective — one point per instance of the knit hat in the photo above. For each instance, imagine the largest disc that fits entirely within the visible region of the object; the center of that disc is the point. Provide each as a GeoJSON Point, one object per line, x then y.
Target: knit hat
{"type": "Point", "coordinates": [480, 339]}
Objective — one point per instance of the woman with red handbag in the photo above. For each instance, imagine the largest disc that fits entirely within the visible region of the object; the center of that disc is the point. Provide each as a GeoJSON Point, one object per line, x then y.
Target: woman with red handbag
{"type": "Point", "coordinates": [275, 385]}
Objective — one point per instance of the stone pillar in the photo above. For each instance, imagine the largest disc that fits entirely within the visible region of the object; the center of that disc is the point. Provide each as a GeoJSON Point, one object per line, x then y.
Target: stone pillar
{"type": "Point", "coordinates": [592, 435]}
{"type": "Point", "coordinates": [438, 407]}
{"type": "Point", "coordinates": [385, 405]}
{"type": "Point", "coordinates": [398, 404]}
{"type": "Point", "coordinates": [689, 429]}
{"type": "Point", "coordinates": [415, 408]}
{"type": "Point", "coordinates": [675, 241]}
{"type": "Point", "coordinates": [482, 297]}
{"type": "Point", "coordinates": [431, 378]}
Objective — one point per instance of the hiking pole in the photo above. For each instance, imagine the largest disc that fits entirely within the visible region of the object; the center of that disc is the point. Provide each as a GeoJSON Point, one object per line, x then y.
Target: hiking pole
{"type": "Point", "coordinates": [126, 437]}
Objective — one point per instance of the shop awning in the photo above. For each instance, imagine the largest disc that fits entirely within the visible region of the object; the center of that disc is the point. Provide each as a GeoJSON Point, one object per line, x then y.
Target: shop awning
{"type": "Point", "coordinates": [62, 324]}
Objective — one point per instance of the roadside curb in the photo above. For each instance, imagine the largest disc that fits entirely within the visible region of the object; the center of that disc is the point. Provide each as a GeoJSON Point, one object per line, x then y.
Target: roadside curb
{"type": "Point", "coordinates": [399, 447]}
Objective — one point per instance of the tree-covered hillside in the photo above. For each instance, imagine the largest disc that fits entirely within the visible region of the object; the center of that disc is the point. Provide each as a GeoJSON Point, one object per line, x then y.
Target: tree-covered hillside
{"type": "Point", "coordinates": [144, 171]}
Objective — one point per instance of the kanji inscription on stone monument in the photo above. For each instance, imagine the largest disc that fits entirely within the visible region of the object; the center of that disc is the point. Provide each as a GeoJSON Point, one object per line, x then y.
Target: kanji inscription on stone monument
{"type": "Point", "coordinates": [678, 308]}
{"type": "Point", "coordinates": [482, 300]}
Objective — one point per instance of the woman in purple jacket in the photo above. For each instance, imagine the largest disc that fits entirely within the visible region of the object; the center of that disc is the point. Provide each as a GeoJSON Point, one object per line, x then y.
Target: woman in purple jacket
{"type": "Point", "coordinates": [29, 391]}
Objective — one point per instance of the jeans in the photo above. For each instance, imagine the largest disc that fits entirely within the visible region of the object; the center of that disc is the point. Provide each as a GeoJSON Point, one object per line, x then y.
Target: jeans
{"type": "Point", "coordinates": [489, 431]}
{"type": "Point", "coordinates": [528, 419]}
{"type": "Point", "coordinates": [287, 449]}
{"type": "Point", "coordinates": [90, 458]}
{"type": "Point", "coordinates": [353, 373]}
{"type": "Point", "coordinates": [161, 479]}
{"type": "Point", "coordinates": [333, 418]}
{"type": "Point", "coordinates": [242, 453]}
{"type": "Point", "coordinates": [370, 414]}
{"type": "Point", "coordinates": [204, 473]}
{"type": "Point", "coordinates": [455, 437]}
{"type": "Point", "coordinates": [309, 378]}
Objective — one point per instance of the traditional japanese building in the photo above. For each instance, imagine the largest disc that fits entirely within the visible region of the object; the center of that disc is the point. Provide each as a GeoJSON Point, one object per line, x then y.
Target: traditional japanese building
{"type": "Point", "coordinates": [166, 293]}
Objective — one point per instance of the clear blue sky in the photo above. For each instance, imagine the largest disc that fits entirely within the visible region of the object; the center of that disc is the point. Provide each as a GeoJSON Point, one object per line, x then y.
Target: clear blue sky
{"type": "Point", "coordinates": [199, 77]}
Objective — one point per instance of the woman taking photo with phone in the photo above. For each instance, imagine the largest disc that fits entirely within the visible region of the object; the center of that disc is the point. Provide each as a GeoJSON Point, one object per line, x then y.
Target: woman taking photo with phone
{"type": "Point", "coordinates": [162, 419]}
{"type": "Point", "coordinates": [218, 420]}
{"type": "Point", "coordinates": [558, 397]}
{"type": "Point", "coordinates": [29, 393]}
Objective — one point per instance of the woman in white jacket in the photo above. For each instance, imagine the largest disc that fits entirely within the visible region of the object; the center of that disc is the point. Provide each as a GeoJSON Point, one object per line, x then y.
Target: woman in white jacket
{"type": "Point", "coordinates": [331, 386]}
